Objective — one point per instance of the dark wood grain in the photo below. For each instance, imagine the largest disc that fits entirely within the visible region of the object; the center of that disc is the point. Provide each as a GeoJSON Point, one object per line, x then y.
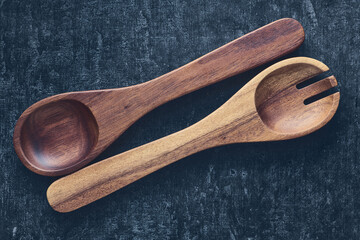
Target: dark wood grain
{"type": "Point", "coordinates": [105, 114]}
{"type": "Point", "coordinates": [268, 108]}
{"type": "Point", "coordinates": [59, 133]}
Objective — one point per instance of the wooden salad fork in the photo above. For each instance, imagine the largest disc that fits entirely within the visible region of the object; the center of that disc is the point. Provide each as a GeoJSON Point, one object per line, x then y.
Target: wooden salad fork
{"type": "Point", "coordinates": [62, 133]}
{"type": "Point", "coordinates": [270, 107]}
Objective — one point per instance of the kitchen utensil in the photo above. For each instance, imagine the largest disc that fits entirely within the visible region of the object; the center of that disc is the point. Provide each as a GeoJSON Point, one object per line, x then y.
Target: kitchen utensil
{"type": "Point", "coordinates": [268, 108]}
{"type": "Point", "coordinates": [62, 133]}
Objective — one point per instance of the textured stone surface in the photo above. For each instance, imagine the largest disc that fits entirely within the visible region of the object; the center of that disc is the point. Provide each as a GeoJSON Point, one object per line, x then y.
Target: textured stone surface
{"type": "Point", "coordinates": [306, 188]}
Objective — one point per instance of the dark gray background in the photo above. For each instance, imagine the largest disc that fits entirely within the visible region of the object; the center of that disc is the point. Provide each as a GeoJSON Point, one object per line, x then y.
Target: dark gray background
{"type": "Point", "coordinates": [306, 188]}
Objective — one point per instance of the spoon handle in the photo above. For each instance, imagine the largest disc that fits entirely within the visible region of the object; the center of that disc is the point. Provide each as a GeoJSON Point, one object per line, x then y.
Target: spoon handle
{"type": "Point", "coordinates": [249, 51]}
{"type": "Point", "coordinates": [100, 179]}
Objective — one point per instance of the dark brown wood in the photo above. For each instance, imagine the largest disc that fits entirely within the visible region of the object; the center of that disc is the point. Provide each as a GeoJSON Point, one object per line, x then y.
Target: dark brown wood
{"type": "Point", "coordinates": [268, 108]}
{"type": "Point", "coordinates": [62, 133]}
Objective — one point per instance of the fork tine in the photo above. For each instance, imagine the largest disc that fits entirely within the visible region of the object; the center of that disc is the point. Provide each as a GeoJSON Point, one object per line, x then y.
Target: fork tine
{"type": "Point", "coordinates": [327, 105]}
{"type": "Point", "coordinates": [318, 87]}
{"type": "Point", "coordinates": [332, 100]}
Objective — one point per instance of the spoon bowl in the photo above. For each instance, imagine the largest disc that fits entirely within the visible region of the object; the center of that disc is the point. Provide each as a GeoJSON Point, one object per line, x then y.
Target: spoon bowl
{"type": "Point", "coordinates": [57, 134]}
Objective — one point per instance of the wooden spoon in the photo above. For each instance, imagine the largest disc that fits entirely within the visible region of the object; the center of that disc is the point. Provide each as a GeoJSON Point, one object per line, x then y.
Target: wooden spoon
{"type": "Point", "coordinates": [268, 108]}
{"type": "Point", "coordinates": [62, 133]}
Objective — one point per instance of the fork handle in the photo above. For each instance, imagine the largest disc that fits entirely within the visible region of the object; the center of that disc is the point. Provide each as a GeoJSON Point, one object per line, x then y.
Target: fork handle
{"type": "Point", "coordinates": [100, 179]}
{"type": "Point", "coordinates": [235, 121]}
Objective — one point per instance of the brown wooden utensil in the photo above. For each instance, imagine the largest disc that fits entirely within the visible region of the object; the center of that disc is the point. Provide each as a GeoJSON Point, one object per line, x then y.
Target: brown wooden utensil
{"type": "Point", "coordinates": [62, 133]}
{"type": "Point", "coordinates": [268, 108]}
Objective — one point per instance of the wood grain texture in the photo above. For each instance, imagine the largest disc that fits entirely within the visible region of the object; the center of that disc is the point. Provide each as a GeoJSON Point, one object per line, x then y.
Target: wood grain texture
{"type": "Point", "coordinates": [268, 108]}
{"type": "Point", "coordinates": [305, 188]}
{"type": "Point", "coordinates": [57, 139]}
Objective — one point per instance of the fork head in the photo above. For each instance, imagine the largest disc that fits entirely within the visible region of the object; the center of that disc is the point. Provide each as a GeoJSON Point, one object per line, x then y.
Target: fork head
{"type": "Point", "coordinates": [281, 104]}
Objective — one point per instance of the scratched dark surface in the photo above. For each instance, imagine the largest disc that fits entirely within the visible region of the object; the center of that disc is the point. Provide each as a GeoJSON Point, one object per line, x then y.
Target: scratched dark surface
{"type": "Point", "coordinates": [306, 188]}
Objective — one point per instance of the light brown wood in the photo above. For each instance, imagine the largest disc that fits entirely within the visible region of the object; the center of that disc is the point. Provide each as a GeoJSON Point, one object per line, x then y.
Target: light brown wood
{"type": "Point", "coordinates": [62, 133]}
{"type": "Point", "coordinates": [268, 108]}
